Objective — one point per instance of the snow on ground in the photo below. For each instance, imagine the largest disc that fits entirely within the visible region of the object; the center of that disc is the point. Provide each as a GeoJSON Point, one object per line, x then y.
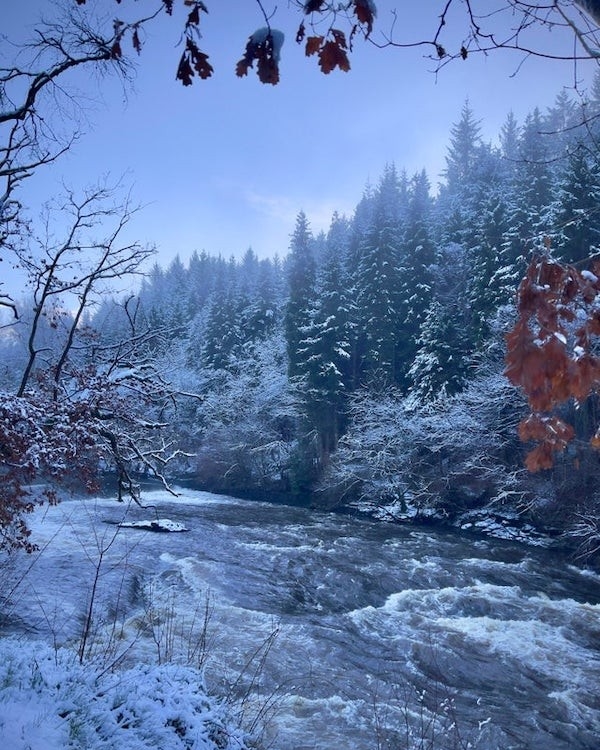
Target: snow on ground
{"type": "Point", "coordinates": [48, 701]}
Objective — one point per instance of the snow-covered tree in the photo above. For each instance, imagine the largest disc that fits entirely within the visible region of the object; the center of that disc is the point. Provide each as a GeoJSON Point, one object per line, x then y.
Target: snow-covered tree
{"type": "Point", "coordinates": [301, 290]}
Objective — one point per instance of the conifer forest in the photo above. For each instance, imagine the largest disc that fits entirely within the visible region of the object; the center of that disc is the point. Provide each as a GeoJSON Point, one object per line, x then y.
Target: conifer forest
{"type": "Point", "coordinates": [364, 367]}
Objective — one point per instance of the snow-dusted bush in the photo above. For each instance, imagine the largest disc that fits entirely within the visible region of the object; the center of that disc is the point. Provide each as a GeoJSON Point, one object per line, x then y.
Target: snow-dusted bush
{"type": "Point", "coordinates": [246, 420]}
{"type": "Point", "coordinates": [48, 701]}
{"type": "Point", "coordinates": [445, 456]}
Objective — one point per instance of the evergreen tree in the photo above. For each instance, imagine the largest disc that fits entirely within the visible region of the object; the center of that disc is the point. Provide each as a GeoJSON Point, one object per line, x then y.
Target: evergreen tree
{"type": "Point", "coordinates": [458, 195]}
{"type": "Point", "coordinates": [510, 134]}
{"type": "Point", "coordinates": [327, 345]}
{"type": "Point", "coordinates": [301, 284]}
{"type": "Point", "coordinates": [222, 337]}
{"type": "Point", "coordinates": [439, 367]}
{"type": "Point", "coordinates": [377, 283]}
{"type": "Point", "coordinates": [578, 206]}
{"type": "Point", "coordinates": [414, 276]}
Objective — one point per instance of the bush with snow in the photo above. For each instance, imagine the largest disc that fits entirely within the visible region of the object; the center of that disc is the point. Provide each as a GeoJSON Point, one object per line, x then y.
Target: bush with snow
{"type": "Point", "coordinates": [48, 701]}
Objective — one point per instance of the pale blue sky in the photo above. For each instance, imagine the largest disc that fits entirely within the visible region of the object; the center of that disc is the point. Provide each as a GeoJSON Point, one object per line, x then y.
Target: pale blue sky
{"type": "Point", "coordinates": [227, 163]}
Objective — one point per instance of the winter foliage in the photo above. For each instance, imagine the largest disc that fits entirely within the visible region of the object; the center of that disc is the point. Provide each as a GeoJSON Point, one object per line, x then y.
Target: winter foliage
{"type": "Point", "coordinates": [366, 363]}
{"type": "Point", "coordinates": [49, 700]}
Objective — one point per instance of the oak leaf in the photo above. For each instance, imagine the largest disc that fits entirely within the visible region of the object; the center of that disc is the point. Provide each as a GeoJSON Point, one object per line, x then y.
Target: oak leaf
{"type": "Point", "coordinates": [263, 46]}
{"type": "Point", "coordinates": [331, 56]}
{"type": "Point", "coordinates": [185, 72]}
{"type": "Point", "coordinates": [313, 45]}
{"type": "Point", "coordinates": [363, 10]}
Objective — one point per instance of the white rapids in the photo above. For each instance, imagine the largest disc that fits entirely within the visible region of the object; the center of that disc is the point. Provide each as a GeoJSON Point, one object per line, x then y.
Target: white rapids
{"type": "Point", "coordinates": [329, 631]}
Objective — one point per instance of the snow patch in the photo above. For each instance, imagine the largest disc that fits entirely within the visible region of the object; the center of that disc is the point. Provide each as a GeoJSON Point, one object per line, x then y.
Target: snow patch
{"type": "Point", "coordinates": [49, 701]}
{"type": "Point", "coordinates": [164, 525]}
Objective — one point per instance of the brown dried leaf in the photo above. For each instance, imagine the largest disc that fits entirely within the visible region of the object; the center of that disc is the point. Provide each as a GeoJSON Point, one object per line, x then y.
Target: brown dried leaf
{"type": "Point", "coordinates": [185, 72]}
{"type": "Point", "coordinates": [364, 13]}
{"type": "Point", "coordinates": [532, 428]}
{"type": "Point", "coordinates": [585, 376]}
{"type": "Point", "coordinates": [267, 67]}
{"type": "Point", "coordinates": [199, 60]}
{"type": "Point", "coordinates": [193, 18]}
{"type": "Point", "coordinates": [331, 56]}
{"type": "Point", "coordinates": [541, 457]}
{"type": "Point", "coordinates": [242, 67]}
{"type": "Point", "coordinates": [313, 45]}
{"type": "Point", "coordinates": [552, 274]}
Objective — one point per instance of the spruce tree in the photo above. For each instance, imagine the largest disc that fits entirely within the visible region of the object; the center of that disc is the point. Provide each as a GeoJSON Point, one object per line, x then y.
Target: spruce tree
{"type": "Point", "coordinates": [301, 286]}
{"type": "Point", "coordinates": [378, 283]}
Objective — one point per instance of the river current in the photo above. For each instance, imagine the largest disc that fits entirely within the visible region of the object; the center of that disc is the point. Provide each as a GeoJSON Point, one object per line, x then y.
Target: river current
{"type": "Point", "coordinates": [328, 631]}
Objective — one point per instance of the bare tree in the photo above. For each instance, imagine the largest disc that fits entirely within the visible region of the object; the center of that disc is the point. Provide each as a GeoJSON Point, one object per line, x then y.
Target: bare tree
{"type": "Point", "coordinates": [83, 404]}
{"type": "Point", "coordinates": [74, 266]}
{"type": "Point", "coordinates": [39, 113]}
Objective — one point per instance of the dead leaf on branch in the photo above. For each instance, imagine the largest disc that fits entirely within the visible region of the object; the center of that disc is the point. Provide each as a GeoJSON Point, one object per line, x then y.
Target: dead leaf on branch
{"type": "Point", "coordinates": [115, 50]}
{"type": "Point", "coordinates": [193, 18]}
{"type": "Point", "coordinates": [548, 357]}
{"type": "Point", "coordinates": [137, 45]}
{"type": "Point", "coordinates": [553, 435]}
{"type": "Point", "coordinates": [541, 457]}
{"type": "Point", "coordinates": [365, 13]}
{"type": "Point", "coordinates": [331, 56]}
{"type": "Point", "coordinates": [193, 62]}
{"type": "Point", "coordinates": [313, 45]}
{"type": "Point", "coordinates": [263, 47]}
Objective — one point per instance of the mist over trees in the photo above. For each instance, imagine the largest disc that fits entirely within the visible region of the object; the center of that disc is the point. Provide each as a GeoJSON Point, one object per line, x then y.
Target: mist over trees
{"type": "Point", "coordinates": [365, 366]}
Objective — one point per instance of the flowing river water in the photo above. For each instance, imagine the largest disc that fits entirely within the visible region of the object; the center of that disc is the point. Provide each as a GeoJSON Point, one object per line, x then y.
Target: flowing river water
{"type": "Point", "coordinates": [330, 632]}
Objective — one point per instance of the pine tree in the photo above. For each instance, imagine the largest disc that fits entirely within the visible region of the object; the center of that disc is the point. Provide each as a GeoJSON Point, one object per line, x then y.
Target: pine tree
{"type": "Point", "coordinates": [222, 336]}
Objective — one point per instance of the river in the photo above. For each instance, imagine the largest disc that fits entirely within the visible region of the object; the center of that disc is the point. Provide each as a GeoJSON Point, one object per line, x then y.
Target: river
{"type": "Point", "coordinates": [328, 631]}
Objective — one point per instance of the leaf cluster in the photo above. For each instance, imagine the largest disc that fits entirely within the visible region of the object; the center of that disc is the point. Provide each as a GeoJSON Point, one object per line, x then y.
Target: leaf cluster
{"type": "Point", "coordinates": [264, 45]}
{"type": "Point", "coordinates": [551, 351]}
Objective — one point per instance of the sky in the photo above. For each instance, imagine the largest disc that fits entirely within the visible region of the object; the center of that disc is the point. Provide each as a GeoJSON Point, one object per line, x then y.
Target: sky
{"type": "Point", "coordinates": [228, 163]}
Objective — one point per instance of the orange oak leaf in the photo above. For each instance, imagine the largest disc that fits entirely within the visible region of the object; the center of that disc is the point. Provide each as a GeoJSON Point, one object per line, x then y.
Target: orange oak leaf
{"type": "Point", "coordinates": [331, 56]}
{"type": "Point", "coordinates": [313, 45]}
